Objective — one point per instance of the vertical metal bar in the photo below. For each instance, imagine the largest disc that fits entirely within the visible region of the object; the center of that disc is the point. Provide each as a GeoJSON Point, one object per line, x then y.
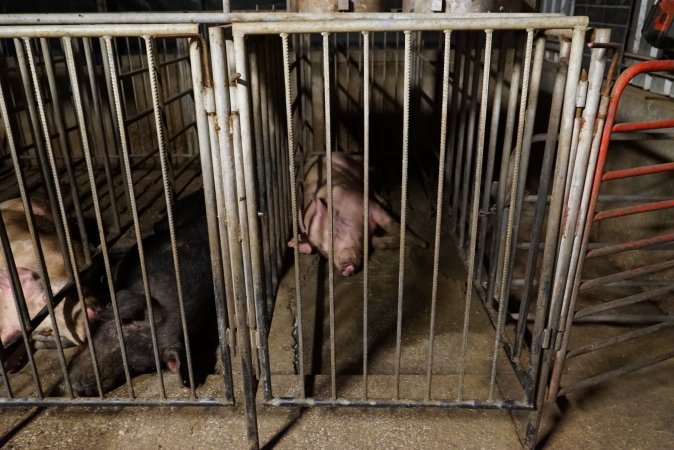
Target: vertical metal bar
{"type": "Point", "coordinates": [257, 309]}
{"type": "Point", "coordinates": [19, 300]}
{"type": "Point", "coordinates": [65, 148]}
{"type": "Point", "coordinates": [460, 137]}
{"type": "Point", "coordinates": [491, 156]}
{"type": "Point", "coordinates": [74, 83]}
{"type": "Point", "coordinates": [99, 131]}
{"type": "Point", "coordinates": [39, 148]}
{"type": "Point", "coordinates": [476, 206]}
{"type": "Point", "coordinates": [496, 253]}
{"type": "Point", "coordinates": [245, 146]}
{"type": "Point", "coordinates": [17, 292]}
{"type": "Point", "coordinates": [270, 213]}
{"type": "Point", "coordinates": [544, 185]}
{"type": "Point", "coordinates": [260, 166]}
{"type": "Point", "coordinates": [403, 203]}
{"type": "Point", "coordinates": [456, 75]}
{"type": "Point", "coordinates": [328, 159]}
{"type": "Point", "coordinates": [201, 90]}
{"type": "Point", "coordinates": [35, 238]}
{"type": "Point", "coordinates": [113, 116]}
{"type": "Point", "coordinates": [221, 86]}
{"type": "Point", "coordinates": [539, 371]}
{"type": "Point", "coordinates": [469, 142]}
{"type": "Point", "coordinates": [504, 295]}
{"type": "Point", "coordinates": [366, 196]}
{"type": "Point", "coordinates": [439, 203]}
{"type": "Point", "coordinates": [134, 214]}
{"type": "Point", "coordinates": [168, 195]}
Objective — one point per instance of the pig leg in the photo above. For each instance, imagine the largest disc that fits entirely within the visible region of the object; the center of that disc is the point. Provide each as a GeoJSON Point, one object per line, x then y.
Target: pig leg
{"type": "Point", "coordinates": [379, 217]}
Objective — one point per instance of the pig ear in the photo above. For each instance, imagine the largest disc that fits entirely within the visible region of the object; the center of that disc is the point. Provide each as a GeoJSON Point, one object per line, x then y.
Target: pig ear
{"type": "Point", "coordinates": [321, 207]}
{"type": "Point", "coordinates": [304, 244]}
{"type": "Point", "coordinates": [130, 305]}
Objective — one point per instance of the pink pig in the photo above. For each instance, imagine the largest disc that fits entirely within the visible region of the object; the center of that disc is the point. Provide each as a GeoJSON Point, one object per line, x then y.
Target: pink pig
{"type": "Point", "coordinates": [347, 201]}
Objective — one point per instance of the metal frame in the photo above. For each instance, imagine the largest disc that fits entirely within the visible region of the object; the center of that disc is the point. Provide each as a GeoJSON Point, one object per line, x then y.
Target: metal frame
{"type": "Point", "coordinates": [583, 250]}
{"type": "Point", "coordinates": [532, 377]}
{"type": "Point", "coordinates": [89, 137]}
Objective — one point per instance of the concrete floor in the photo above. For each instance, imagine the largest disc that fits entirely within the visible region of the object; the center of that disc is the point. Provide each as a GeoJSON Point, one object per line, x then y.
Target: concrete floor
{"type": "Point", "coordinates": [632, 411]}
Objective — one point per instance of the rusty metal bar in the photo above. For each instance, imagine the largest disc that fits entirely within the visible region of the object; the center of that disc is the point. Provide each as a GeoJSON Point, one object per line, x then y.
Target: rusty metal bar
{"type": "Point", "coordinates": [637, 126]}
{"type": "Point", "coordinates": [636, 171]}
{"type": "Point", "coordinates": [636, 209]}
{"type": "Point", "coordinates": [631, 245]}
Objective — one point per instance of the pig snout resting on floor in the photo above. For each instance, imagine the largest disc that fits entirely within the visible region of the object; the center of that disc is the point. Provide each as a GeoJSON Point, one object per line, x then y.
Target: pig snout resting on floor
{"type": "Point", "coordinates": [194, 258]}
{"type": "Point", "coordinates": [348, 221]}
{"type": "Point", "coordinates": [69, 315]}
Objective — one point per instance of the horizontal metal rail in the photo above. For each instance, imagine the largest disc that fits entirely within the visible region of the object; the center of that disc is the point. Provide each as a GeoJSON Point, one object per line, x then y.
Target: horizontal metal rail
{"type": "Point", "coordinates": [386, 403]}
{"type": "Point", "coordinates": [635, 209]}
{"type": "Point", "coordinates": [477, 22]}
{"type": "Point", "coordinates": [638, 126]}
{"type": "Point", "coordinates": [610, 249]}
{"type": "Point", "coordinates": [88, 402]}
{"type": "Point", "coordinates": [116, 30]}
{"type": "Point", "coordinates": [636, 171]}
{"type": "Point", "coordinates": [619, 339]}
{"type": "Point", "coordinates": [218, 17]}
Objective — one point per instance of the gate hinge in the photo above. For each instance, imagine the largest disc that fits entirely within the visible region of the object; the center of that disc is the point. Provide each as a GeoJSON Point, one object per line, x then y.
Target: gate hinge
{"type": "Point", "coordinates": [552, 338]}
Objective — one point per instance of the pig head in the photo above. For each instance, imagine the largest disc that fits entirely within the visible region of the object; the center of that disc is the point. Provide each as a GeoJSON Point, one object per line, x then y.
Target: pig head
{"type": "Point", "coordinates": [348, 221]}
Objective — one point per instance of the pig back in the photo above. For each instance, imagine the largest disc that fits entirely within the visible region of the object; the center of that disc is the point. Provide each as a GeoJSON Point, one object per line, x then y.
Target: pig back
{"type": "Point", "coordinates": [347, 173]}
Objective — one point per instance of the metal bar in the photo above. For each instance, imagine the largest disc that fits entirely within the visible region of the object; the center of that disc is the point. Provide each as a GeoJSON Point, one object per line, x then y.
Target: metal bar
{"type": "Point", "coordinates": [243, 145]}
{"type": "Point", "coordinates": [334, 24]}
{"type": "Point", "coordinates": [647, 125]}
{"type": "Point", "coordinates": [203, 88]}
{"type": "Point", "coordinates": [30, 219]}
{"type": "Point", "coordinates": [366, 196]}
{"type": "Point", "coordinates": [460, 135]}
{"type": "Point", "coordinates": [637, 171]}
{"type": "Point", "coordinates": [112, 30]}
{"type": "Point", "coordinates": [474, 215]}
{"type": "Point", "coordinates": [108, 402]}
{"type": "Point", "coordinates": [99, 131]}
{"type": "Point", "coordinates": [611, 249]}
{"type": "Point", "coordinates": [439, 203]}
{"type": "Point", "coordinates": [491, 155]}
{"type": "Point", "coordinates": [544, 187]}
{"type": "Point", "coordinates": [402, 403]}
{"type": "Point", "coordinates": [606, 343]}
{"type": "Point", "coordinates": [403, 204]}
{"type": "Point", "coordinates": [525, 112]}
{"type": "Point", "coordinates": [134, 214]}
{"type": "Point", "coordinates": [160, 128]}
{"type": "Point", "coordinates": [615, 373]}
{"type": "Point", "coordinates": [216, 18]}
{"type": "Point", "coordinates": [496, 253]}
{"type": "Point", "coordinates": [626, 275]}
{"type": "Point", "coordinates": [636, 209]}
{"type": "Point", "coordinates": [540, 359]}
{"type": "Point", "coordinates": [328, 159]}
{"type": "Point", "coordinates": [63, 143]}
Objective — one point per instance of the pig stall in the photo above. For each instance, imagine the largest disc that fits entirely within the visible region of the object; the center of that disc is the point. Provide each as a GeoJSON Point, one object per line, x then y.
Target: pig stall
{"type": "Point", "coordinates": [333, 211]}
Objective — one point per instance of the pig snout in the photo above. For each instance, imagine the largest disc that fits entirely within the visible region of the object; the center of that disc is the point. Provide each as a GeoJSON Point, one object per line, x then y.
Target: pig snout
{"type": "Point", "coordinates": [348, 270]}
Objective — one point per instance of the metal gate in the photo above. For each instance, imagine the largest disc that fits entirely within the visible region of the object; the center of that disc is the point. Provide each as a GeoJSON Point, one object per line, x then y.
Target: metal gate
{"type": "Point", "coordinates": [624, 270]}
{"type": "Point", "coordinates": [321, 86]}
{"type": "Point", "coordinates": [102, 126]}
{"type": "Point", "coordinates": [442, 111]}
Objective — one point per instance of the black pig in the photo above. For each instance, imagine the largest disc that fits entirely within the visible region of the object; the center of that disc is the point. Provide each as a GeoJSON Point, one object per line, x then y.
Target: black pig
{"type": "Point", "coordinates": [198, 297]}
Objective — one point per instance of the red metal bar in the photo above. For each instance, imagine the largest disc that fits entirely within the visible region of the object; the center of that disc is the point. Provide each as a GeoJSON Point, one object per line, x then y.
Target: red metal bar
{"type": "Point", "coordinates": [648, 125]}
{"type": "Point", "coordinates": [627, 275]}
{"type": "Point", "coordinates": [631, 245]}
{"type": "Point", "coordinates": [635, 209]}
{"type": "Point", "coordinates": [636, 171]}
{"type": "Point", "coordinates": [621, 82]}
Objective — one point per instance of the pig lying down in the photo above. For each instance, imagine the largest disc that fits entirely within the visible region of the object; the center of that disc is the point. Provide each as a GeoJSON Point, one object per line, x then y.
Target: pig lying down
{"type": "Point", "coordinates": [195, 266]}
{"type": "Point", "coordinates": [69, 315]}
{"type": "Point", "coordinates": [348, 222]}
